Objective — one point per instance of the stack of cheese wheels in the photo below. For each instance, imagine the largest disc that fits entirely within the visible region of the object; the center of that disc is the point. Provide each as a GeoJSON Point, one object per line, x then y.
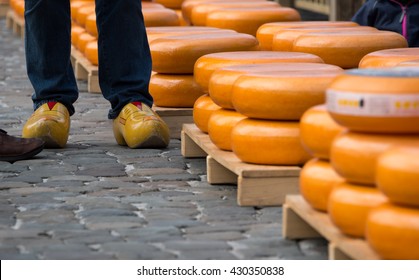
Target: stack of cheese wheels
{"type": "Point", "coordinates": [188, 5]}
{"type": "Point", "coordinates": [347, 48]}
{"type": "Point", "coordinates": [273, 103]}
{"type": "Point", "coordinates": [248, 20]}
{"type": "Point", "coordinates": [200, 11]}
{"type": "Point", "coordinates": [266, 32]}
{"type": "Point", "coordinates": [317, 177]}
{"type": "Point", "coordinates": [376, 106]}
{"type": "Point", "coordinates": [221, 124]}
{"type": "Point", "coordinates": [389, 58]}
{"type": "Point", "coordinates": [393, 229]}
{"type": "Point", "coordinates": [174, 58]}
{"type": "Point", "coordinates": [284, 39]}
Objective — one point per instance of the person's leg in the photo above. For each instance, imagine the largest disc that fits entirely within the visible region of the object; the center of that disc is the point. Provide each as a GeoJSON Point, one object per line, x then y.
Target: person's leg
{"type": "Point", "coordinates": [124, 54]}
{"type": "Point", "coordinates": [47, 46]}
{"type": "Point", "coordinates": [124, 74]}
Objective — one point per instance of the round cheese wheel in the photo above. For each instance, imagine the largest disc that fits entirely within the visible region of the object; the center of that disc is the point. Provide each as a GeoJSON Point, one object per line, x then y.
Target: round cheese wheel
{"type": "Point", "coordinates": [266, 32]}
{"type": "Point", "coordinates": [168, 52]}
{"type": "Point", "coordinates": [174, 90]}
{"type": "Point", "coordinates": [200, 11]}
{"type": "Point", "coordinates": [82, 14]}
{"type": "Point", "coordinates": [19, 8]}
{"type": "Point", "coordinates": [354, 155]}
{"type": "Point", "coordinates": [83, 40]}
{"type": "Point", "coordinates": [91, 25]}
{"type": "Point", "coordinates": [284, 39]}
{"type": "Point", "coordinates": [268, 142]}
{"type": "Point", "coordinates": [151, 5]}
{"type": "Point", "coordinates": [172, 4]}
{"type": "Point", "coordinates": [202, 110]}
{"type": "Point", "coordinates": [393, 232]}
{"type": "Point", "coordinates": [160, 17]}
{"type": "Point", "coordinates": [220, 125]}
{"type": "Point", "coordinates": [388, 58]}
{"type": "Point", "coordinates": [349, 206]}
{"type": "Point", "coordinates": [182, 21]}
{"type": "Point", "coordinates": [206, 65]}
{"type": "Point", "coordinates": [222, 79]}
{"type": "Point", "coordinates": [76, 5]}
{"type": "Point", "coordinates": [248, 20]}
{"type": "Point", "coordinates": [153, 33]}
{"type": "Point", "coordinates": [91, 52]}
{"type": "Point", "coordinates": [76, 31]}
{"type": "Point", "coordinates": [282, 95]}
{"type": "Point", "coordinates": [346, 49]}
{"type": "Point", "coordinates": [318, 130]}
{"type": "Point", "coordinates": [410, 63]}
{"type": "Point", "coordinates": [397, 175]}
{"type": "Point", "coordinates": [376, 100]}
{"type": "Point", "coordinates": [317, 179]}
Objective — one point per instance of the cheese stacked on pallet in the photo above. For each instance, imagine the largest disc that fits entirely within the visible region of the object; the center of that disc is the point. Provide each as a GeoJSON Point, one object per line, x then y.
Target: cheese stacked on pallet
{"type": "Point", "coordinates": [274, 103]}
{"type": "Point", "coordinates": [221, 124]}
{"type": "Point", "coordinates": [317, 178]}
{"type": "Point", "coordinates": [346, 49]}
{"type": "Point", "coordinates": [174, 58]}
{"type": "Point", "coordinates": [266, 32]}
{"type": "Point", "coordinates": [248, 20]}
{"type": "Point", "coordinates": [393, 229]}
{"type": "Point", "coordinates": [389, 58]}
{"type": "Point", "coordinates": [377, 107]}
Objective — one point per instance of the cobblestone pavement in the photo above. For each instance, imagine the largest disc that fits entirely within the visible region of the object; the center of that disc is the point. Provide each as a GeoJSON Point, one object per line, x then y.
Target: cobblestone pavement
{"type": "Point", "coordinates": [97, 200]}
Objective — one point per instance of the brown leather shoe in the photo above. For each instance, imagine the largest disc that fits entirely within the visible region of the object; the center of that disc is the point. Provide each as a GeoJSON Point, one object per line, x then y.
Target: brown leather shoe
{"type": "Point", "coordinates": [15, 148]}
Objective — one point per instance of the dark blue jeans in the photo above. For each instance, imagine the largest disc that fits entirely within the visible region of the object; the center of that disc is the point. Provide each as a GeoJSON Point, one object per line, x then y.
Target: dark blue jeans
{"type": "Point", "coordinates": [124, 53]}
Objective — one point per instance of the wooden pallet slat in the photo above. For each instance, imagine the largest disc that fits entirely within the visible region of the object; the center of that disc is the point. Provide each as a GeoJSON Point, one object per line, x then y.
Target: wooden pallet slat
{"type": "Point", "coordinates": [257, 185]}
{"type": "Point", "coordinates": [301, 221]}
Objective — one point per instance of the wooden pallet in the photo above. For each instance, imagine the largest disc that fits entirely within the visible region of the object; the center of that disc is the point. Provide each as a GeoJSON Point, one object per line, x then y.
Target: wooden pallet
{"type": "Point", "coordinates": [85, 70]}
{"type": "Point", "coordinates": [15, 22]}
{"type": "Point", "coordinates": [258, 185]}
{"type": "Point", "coordinates": [175, 118]}
{"type": "Point", "coordinates": [301, 221]}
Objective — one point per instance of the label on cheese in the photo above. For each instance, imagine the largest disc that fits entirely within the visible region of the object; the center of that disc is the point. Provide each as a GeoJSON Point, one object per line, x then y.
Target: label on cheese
{"type": "Point", "coordinates": [372, 105]}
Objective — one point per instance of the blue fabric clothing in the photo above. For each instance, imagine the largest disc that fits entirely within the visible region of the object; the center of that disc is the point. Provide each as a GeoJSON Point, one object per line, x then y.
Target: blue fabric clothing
{"type": "Point", "coordinates": [392, 15]}
{"type": "Point", "coordinates": [124, 54]}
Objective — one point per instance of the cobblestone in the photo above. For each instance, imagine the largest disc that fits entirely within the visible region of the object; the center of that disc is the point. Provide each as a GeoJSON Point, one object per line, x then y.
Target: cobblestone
{"type": "Point", "coordinates": [97, 200]}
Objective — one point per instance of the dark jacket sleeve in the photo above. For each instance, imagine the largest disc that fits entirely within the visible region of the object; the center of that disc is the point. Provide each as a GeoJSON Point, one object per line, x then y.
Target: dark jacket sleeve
{"type": "Point", "coordinates": [365, 15]}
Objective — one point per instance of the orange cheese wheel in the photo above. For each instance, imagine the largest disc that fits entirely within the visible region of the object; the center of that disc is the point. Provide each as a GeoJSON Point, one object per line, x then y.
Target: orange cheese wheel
{"type": "Point", "coordinates": [91, 25]}
{"type": "Point", "coordinates": [174, 90]}
{"type": "Point", "coordinates": [83, 40]}
{"type": "Point", "coordinates": [82, 14]}
{"type": "Point", "coordinates": [76, 5]}
{"type": "Point", "coordinates": [168, 52]}
{"type": "Point", "coordinates": [200, 11]}
{"type": "Point", "coordinates": [317, 179]}
{"type": "Point", "coordinates": [172, 4]}
{"type": "Point", "coordinates": [248, 20]}
{"type": "Point", "coordinates": [268, 142]}
{"type": "Point", "coordinates": [76, 31]}
{"type": "Point", "coordinates": [153, 33]}
{"type": "Point", "coordinates": [388, 58]}
{"type": "Point", "coordinates": [397, 175]}
{"type": "Point", "coordinates": [182, 21]}
{"type": "Point", "coordinates": [282, 95]}
{"type": "Point", "coordinates": [220, 125]}
{"type": "Point", "coordinates": [160, 17]}
{"type": "Point", "coordinates": [207, 64]}
{"type": "Point", "coordinates": [19, 8]}
{"type": "Point", "coordinates": [354, 155]}
{"type": "Point", "coordinates": [376, 100]}
{"type": "Point", "coordinates": [151, 5]}
{"type": "Point", "coordinates": [393, 232]}
{"type": "Point", "coordinates": [346, 49]}
{"type": "Point", "coordinates": [349, 206]}
{"type": "Point", "coordinates": [222, 79]}
{"type": "Point", "coordinates": [318, 130]}
{"type": "Point", "coordinates": [266, 32]}
{"type": "Point", "coordinates": [284, 39]}
{"type": "Point", "coordinates": [202, 110]}
{"type": "Point", "coordinates": [91, 52]}
{"type": "Point", "coordinates": [410, 63]}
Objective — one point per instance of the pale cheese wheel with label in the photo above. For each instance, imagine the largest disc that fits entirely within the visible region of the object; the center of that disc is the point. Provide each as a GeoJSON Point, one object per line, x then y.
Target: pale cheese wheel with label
{"type": "Point", "coordinates": [349, 206]}
{"type": "Point", "coordinates": [207, 64]}
{"type": "Point", "coordinates": [268, 142]}
{"type": "Point", "coordinates": [376, 100]}
{"type": "Point", "coordinates": [178, 54]}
